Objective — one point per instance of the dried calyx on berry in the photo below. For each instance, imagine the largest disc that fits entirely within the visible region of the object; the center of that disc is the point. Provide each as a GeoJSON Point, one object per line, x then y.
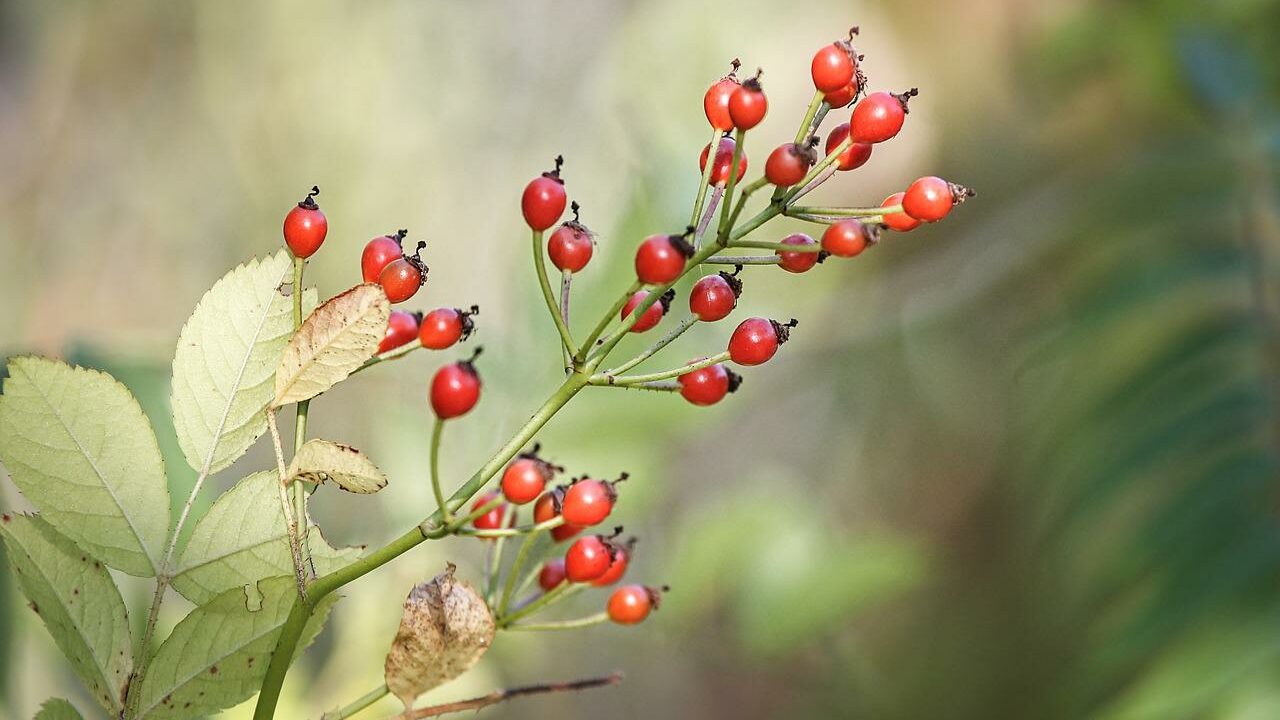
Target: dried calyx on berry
{"type": "Point", "coordinates": [753, 83]}
{"type": "Point", "coordinates": [732, 279]}
{"type": "Point", "coordinates": [309, 202]}
{"type": "Point", "coordinates": [554, 173]}
{"type": "Point", "coordinates": [822, 256]}
{"type": "Point", "coordinates": [681, 242]}
{"type": "Point", "coordinates": [734, 65]}
{"type": "Point", "coordinates": [547, 468]}
{"type": "Point", "coordinates": [464, 316]}
{"type": "Point", "coordinates": [806, 152]}
{"type": "Point", "coordinates": [666, 298]}
{"type": "Point", "coordinates": [783, 330]}
{"type": "Point", "coordinates": [904, 98]}
{"type": "Point", "coordinates": [960, 193]}
{"type": "Point", "coordinates": [469, 365]}
{"type": "Point", "coordinates": [416, 258]}
{"type": "Point", "coordinates": [735, 380]}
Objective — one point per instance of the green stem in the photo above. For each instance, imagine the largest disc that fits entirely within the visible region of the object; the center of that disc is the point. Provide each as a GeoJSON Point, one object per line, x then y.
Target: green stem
{"type": "Point", "coordinates": [608, 318]}
{"type": "Point", "coordinates": [516, 566]}
{"type": "Point", "coordinates": [560, 592]}
{"type": "Point", "coordinates": [664, 386]}
{"type": "Point", "coordinates": [461, 521]}
{"type": "Point", "coordinates": [430, 528]}
{"type": "Point", "coordinates": [742, 260]}
{"type": "Point", "coordinates": [358, 704]}
{"type": "Point", "coordinates": [540, 265]}
{"type": "Point", "coordinates": [781, 247]}
{"type": "Point", "coordinates": [838, 211]}
{"type": "Point", "coordinates": [806, 125]}
{"type": "Point", "coordinates": [563, 624]}
{"type": "Point", "coordinates": [742, 201]}
{"type": "Point", "coordinates": [607, 379]}
{"type": "Point", "coordinates": [816, 170]}
{"type": "Point", "coordinates": [389, 355]}
{"type": "Point", "coordinates": [712, 147]}
{"type": "Point", "coordinates": [297, 489]}
{"type": "Point", "coordinates": [491, 581]}
{"type": "Point", "coordinates": [738, 138]}
{"type": "Point", "coordinates": [653, 349]}
{"type": "Point", "coordinates": [763, 217]}
{"type": "Point", "coordinates": [437, 431]}
{"type": "Point", "coordinates": [554, 522]}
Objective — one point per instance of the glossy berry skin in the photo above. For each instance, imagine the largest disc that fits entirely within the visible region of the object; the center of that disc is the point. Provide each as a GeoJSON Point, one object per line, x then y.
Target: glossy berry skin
{"type": "Point", "coordinates": [630, 604]}
{"type": "Point", "coordinates": [551, 575]}
{"type": "Point", "coordinates": [724, 159]}
{"type": "Point", "coordinates": [716, 103]}
{"type": "Point", "coordinates": [797, 262]}
{"type": "Point", "coordinates": [787, 164]}
{"type": "Point", "coordinates": [543, 201]}
{"type": "Point", "coordinates": [854, 156]}
{"type": "Point", "coordinates": [846, 238]}
{"type": "Point", "coordinates": [832, 67]}
{"type": "Point", "coordinates": [651, 317]}
{"type": "Point", "coordinates": [588, 558]}
{"type": "Point", "coordinates": [755, 340]}
{"type": "Point", "coordinates": [660, 259]}
{"type": "Point", "coordinates": [748, 105]}
{"type": "Point", "coordinates": [899, 221]}
{"type": "Point", "coordinates": [378, 254]}
{"type": "Point", "coordinates": [455, 390]}
{"type": "Point", "coordinates": [570, 247]}
{"type": "Point", "coordinates": [443, 327]}
{"type": "Point", "coordinates": [617, 568]}
{"type": "Point", "coordinates": [706, 386]}
{"type": "Point", "coordinates": [842, 97]}
{"type": "Point", "coordinates": [544, 510]}
{"type": "Point", "coordinates": [587, 503]}
{"type": "Point", "coordinates": [491, 520]}
{"type": "Point", "coordinates": [712, 298]}
{"type": "Point", "coordinates": [928, 199]}
{"type": "Point", "coordinates": [877, 117]}
{"type": "Point", "coordinates": [402, 328]}
{"type": "Point", "coordinates": [524, 479]}
{"type": "Point", "coordinates": [401, 279]}
{"type": "Point", "coordinates": [305, 227]}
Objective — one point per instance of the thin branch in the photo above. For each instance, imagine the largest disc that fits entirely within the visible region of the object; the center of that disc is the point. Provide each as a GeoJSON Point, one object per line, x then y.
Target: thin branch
{"type": "Point", "coordinates": [777, 246]}
{"type": "Point", "coordinates": [653, 349]}
{"type": "Point", "coordinates": [837, 211]}
{"type": "Point", "coordinates": [822, 177]}
{"type": "Point", "coordinates": [291, 523]}
{"type": "Point", "coordinates": [358, 704]}
{"type": "Point", "coordinates": [605, 379]}
{"type": "Point", "coordinates": [566, 279]}
{"type": "Point", "coordinates": [551, 524]}
{"type": "Point", "coordinates": [498, 696]}
{"type": "Point", "coordinates": [562, 624]}
{"type": "Point", "coordinates": [540, 266]}
{"type": "Point", "coordinates": [388, 355]}
{"type": "Point", "coordinates": [517, 565]}
{"type": "Point", "coordinates": [609, 315]}
{"type": "Point", "coordinates": [738, 138]}
{"type": "Point", "coordinates": [712, 147]}
{"type": "Point", "coordinates": [436, 431]}
{"type": "Point", "coordinates": [560, 592]}
{"type": "Point", "coordinates": [742, 260]}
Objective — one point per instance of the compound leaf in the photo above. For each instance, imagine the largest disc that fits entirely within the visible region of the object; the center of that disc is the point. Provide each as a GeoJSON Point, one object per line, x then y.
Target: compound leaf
{"type": "Point", "coordinates": [78, 446]}
{"type": "Point", "coordinates": [80, 605]}
{"type": "Point", "coordinates": [224, 366]}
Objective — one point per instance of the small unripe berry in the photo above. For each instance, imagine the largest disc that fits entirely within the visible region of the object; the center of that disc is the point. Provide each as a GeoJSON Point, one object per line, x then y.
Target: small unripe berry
{"type": "Point", "coordinates": [631, 604]}
{"type": "Point", "coordinates": [653, 315]}
{"type": "Point", "coordinates": [660, 258]}
{"type": "Point", "coordinates": [849, 237]}
{"type": "Point", "coordinates": [756, 339]}
{"type": "Point", "coordinates": [544, 199]}
{"type": "Point", "coordinates": [455, 388]}
{"type": "Point", "coordinates": [708, 385]}
{"type": "Point", "coordinates": [305, 226]}
{"type": "Point", "coordinates": [724, 159]}
{"type": "Point", "coordinates": [879, 116]}
{"type": "Point", "coordinates": [379, 253]}
{"type": "Point", "coordinates": [798, 262]}
{"type": "Point", "coordinates": [443, 327]}
{"type": "Point", "coordinates": [715, 296]}
{"type": "Point", "coordinates": [899, 221]}
{"type": "Point", "coordinates": [402, 327]}
{"type": "Point", "coordinates": [854, 156]}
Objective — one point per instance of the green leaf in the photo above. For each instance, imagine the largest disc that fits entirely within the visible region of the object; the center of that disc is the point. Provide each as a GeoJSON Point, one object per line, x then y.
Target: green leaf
{"type": "Point", "coordinates": [333, 341]}
{"type": "Point", "coordinates": [218, 655]}
{"type": "Point", "coordinates": [80, 449]}
{"type": "Point", "coordinates": [348, 468]}
{"type": "Point", "coordinates": [58, 709]}
{"type": "Point", "coordinates": [75, 597]}
{"type": "Point", "coordinates": [242, 540]}
{"type": "Point", "coordinates": [224, 367]}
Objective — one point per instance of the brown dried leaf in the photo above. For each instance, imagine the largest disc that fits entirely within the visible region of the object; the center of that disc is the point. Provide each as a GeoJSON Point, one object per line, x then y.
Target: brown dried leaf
{"type": "Point", "coordinates": [333, 341]}
{"type": "Point", "coordinates": [445, 629]}
{"type": "Point", "coordinates": [326, 461]}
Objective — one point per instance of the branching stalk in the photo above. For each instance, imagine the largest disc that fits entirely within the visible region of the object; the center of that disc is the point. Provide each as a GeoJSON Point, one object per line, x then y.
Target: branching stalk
{"type": "Point", "coordinates": [540, 266]}
{"type": "Point", "coordinates": [607, 379]}
{"type": "Point", "coordinates": [498, 696]}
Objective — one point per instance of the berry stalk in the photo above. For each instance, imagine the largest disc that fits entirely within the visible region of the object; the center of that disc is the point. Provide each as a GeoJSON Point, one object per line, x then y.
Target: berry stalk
{"type": "Point", "coordinates": [607, 379]}
{"type": "Point", "coordinates": [653, 349]}
{"type": "Point", "coordinates": [540, 265]}
{"type": "Point", "coordinates": [582, 622]}
{"type": "Point", "coordinates": [739, 136]}
{"type": "Point", "coordinates": [706, 178]}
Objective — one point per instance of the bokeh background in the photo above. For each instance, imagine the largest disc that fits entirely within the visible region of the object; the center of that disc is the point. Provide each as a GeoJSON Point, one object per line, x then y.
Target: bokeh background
{"type": "Point", "coordinates": [1019, 464]}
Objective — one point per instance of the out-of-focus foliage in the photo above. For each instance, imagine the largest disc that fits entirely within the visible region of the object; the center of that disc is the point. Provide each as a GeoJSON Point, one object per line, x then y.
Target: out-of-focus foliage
{"type": "Point", "coordinates": [1018, 464]}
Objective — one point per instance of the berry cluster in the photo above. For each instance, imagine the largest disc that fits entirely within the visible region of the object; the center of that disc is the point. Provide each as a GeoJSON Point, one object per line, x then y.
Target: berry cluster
{"type": "Point", "coordinates": [559, 513]}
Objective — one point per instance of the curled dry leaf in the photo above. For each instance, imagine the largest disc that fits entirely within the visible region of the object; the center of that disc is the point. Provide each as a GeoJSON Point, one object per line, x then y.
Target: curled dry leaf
{"type": "Point", "coordinates": [445, 629]}
{"type": "Point", "coordinates": [326, 461]}
{"type": "Point", "coordinates": [333, 341]}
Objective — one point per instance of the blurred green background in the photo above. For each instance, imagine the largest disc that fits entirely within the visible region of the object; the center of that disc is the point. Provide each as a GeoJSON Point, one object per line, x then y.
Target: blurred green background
{"type": "Point", "coordinates": [1019, 464]}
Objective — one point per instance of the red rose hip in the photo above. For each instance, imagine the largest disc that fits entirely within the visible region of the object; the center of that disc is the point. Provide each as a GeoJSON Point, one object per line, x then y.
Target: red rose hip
{"type": "Point", "coordinates": [401, 278]}
{"type": "Point", "coordinates": [551, 575]}
{"type": "Point", "coordinates": [588, 502]}
{"type": "Point", "coordinates": [443, 327]}
{"type": "Point", "coordinates": [899, 221]}
{"type": "Point", "coordinates": [788, 163]}
{"type": "Point", "coordinates": [305, 226]}
{"type": "Point", "coordinates": [756, 339]}
{"type": "Point", "coordinates": [571, 246]}
{"type": "Point", "coordinates": [544, 199]}
{"type": "Point", "coordinates": [708, 385]}
{"type": "Point", "coordinates": [798, 262]}
{"type": "Point", "coordinates": [849, 237]}
{"type": "Point", "coordinates": [879, 116]}
{"type": "Point", "coordinates": [526, 476]}
{"type": "Point", "coordinates": [631, 604]}
{"type": "Point", "coordinates": [652, 316]}
{"type": "Point", "coordinates": [660, 259]}
{"type": "Point", "coordinates": [929, 199]}
{"type": "Point", "coordinates": [379, 253]}
{"type": "Point", "coordinates": [716, 101]}
{"type": "Point", "coordinates": [455, 388]}
{"type": "Point", "coordinates": [402, 327]}
{"type": "Point", "coordinates": [852, 157]}
{"type": "Point", "coordinates": [748, 104]}
{"type": "Point", "coordinates": [724, 159]}
{"type": "Point", "coordinates": [715, 296]}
